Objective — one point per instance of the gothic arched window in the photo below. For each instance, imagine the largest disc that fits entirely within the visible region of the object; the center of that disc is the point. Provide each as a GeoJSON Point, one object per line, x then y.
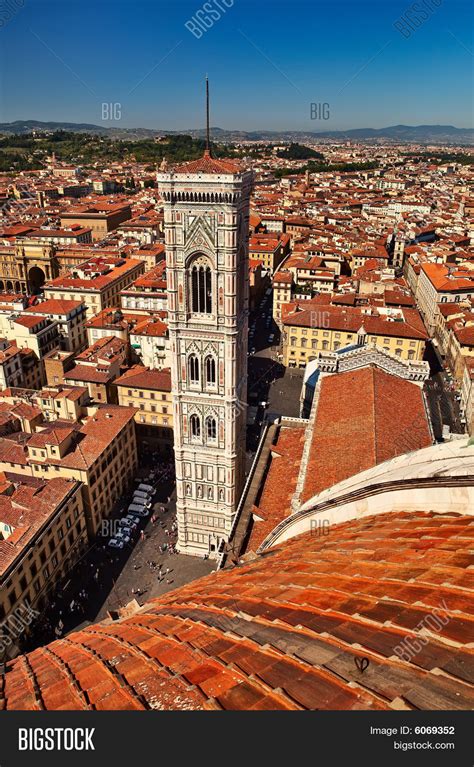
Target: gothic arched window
{"type": "Point", "coordinates": [211, 428]}
{"type": "Point", "coordinates": [200, 281]}
{"type": "Point", "coordinates": [193, 368]}
{"type": "Point", "coordinates": [210, 370]}
{"type": "Point", "coordinates": [195, 426]}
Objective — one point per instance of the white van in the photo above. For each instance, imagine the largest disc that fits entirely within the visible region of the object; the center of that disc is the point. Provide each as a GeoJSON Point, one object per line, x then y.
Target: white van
{"type": "Point", "coordinates": [139, 511]}
{"type": "Point", "coordinates": [146, 488]}
{"type": "Point", "coordinates": [141, 494]}
{"type": "Point", "coordinates": [137, 501]}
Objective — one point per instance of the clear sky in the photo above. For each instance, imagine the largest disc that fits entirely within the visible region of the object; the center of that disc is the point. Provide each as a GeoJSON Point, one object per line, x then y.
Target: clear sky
{"type": "Point", "coordinates": [267, 61]}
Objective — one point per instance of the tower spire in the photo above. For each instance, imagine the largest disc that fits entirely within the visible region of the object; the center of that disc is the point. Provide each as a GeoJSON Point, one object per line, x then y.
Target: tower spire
{"type": "Point", "coordinates": [208, 131]}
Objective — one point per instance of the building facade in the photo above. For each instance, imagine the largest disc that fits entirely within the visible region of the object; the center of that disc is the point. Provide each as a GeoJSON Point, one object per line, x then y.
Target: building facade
{"type": "Point", "coordinates": [206, 208]}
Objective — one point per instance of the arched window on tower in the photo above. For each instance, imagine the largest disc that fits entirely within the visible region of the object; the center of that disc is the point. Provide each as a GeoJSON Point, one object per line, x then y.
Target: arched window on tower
{"type": "Point", "coordinates": [195, 422]}
{"type": "Point", "coordinates": [200, 281]}
{"type": "Point", "coordinates": [193, 368]}
{"type": "Point", "coordinates": [210, 370]}
{"type": "Point", "coordinates": [211, 429]}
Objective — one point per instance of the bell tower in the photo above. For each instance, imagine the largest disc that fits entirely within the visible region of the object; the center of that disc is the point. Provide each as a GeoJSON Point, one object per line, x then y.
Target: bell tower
{"type": "Point", "coordinates": [206, 213]}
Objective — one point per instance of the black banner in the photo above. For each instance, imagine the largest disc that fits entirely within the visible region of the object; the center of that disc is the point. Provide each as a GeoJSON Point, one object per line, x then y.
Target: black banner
{"type": "Point", "coordinates": [331, 738]}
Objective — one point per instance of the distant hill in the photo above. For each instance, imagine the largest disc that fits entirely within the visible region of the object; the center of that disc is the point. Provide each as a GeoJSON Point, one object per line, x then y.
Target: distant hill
{"type": "Point", "coordinates": [417, 134]}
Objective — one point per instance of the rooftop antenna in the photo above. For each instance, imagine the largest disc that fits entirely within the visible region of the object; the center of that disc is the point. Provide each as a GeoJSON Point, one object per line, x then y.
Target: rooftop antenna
{"type": "Point", "coordinates": [208, 139]}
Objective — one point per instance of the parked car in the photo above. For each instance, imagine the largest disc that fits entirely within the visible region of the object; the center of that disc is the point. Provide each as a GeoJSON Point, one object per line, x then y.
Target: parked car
{"type": "Point", "coordinates": [114, 543]}
{"type": "Point", "coordinates": [130, 519]}
{"type": "Point", "coordinates": [138, 511]}
{"type": "Point", "coordinates": [122, 536]}
{"type": "Point", "coordinates": [271, 338]}
{"type": "Point", "coordinates": [252, 350]}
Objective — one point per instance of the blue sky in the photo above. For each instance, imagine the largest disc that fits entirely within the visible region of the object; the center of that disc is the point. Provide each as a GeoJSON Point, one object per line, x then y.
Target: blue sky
{"type": "Point", "coordinates": [267, 61]}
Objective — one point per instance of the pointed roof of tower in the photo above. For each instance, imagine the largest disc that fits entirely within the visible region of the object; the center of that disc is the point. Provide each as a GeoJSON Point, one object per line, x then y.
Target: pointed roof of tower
{"type": "Point", "coordinates": [207, 163]}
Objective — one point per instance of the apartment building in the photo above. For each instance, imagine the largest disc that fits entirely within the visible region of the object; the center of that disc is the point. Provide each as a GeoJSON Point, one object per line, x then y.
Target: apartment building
{"type": "Point", "coordinates": [66, 403]}
{"type": "Point", "coordinates": [270, 250]}
{"type": "Point", "coordinates": [11, 370]}
{"type": "Point", "coordinates": [441, 283]}
{"type": "Point", "coordinates": [70, 318]}
{"type": "Point", "coordinates": [308, 331]}
{"type": "Point", "coordinates": [147, 293]}
{"type": "Point", "coordinates": [97, 283]}
{"type": "Point", "coordinates": [101, 218]}
{"type": "Point", "coordinates": [149, 392]}
{"type": "Point", "coordinates": [42, 534]}
{"type": "Point", "coordinates": [100, 453]}
{"type": "Point", "coordinates": [31, 331]}
{"type": "Point", "coordinates": [282, 286]}
{"type": "Point", "coordinates": [150, 343]}
{"type": "Point", "coordinates": [97, 367]}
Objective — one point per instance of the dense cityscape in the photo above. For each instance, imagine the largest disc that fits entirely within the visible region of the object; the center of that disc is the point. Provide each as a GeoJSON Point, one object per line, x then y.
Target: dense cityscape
{"type": "Point", "coordinates": [236, 377]}
{"type": "Point", "coordinates": [360, 350]}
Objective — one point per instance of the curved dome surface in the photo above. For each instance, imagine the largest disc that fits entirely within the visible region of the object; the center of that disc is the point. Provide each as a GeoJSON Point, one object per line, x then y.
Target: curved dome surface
{"type": "Point", "coordinates": [439, 478]}
{"type": "Point", "coordinates": [338, 621]}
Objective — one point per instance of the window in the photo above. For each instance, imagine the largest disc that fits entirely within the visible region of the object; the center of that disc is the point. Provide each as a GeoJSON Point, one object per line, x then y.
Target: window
{"type": "Point", "coordinates": [210, 370]}
{"type": "Point", "coordinates": [195, 426]}
{"type": "Point", "coordinates": [193, 368]}
{"type": "Point", "coordinates": [211, 428]}
{"type": "Point", "coordinates": [201, 286]}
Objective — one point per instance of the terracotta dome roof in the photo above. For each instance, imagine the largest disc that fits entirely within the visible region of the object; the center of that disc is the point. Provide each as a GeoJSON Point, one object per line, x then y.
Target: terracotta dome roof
{"type": "Point", "coordinates": [316, 623]}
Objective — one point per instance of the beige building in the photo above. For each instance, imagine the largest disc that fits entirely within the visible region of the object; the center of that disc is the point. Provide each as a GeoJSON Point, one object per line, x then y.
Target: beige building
{"type": "Point", "coordinates": [149, 391]}
{"type": "Point", "coordinates": [282, 285]}
{"type": "Point", "coordinates": [97, 283]}
{"type": "Point", "coordinates": [101, 454]}
{"type": "Point", "coordinates": [42, 534]}
{"type": "Point", "coordinates": [101, 217]}
{"type": "Point", "coordinates": [70, 318]}
{"type": "Point", "coordinates": [441, 283]}
{"type": "Point", "coordinates": [322, 328]}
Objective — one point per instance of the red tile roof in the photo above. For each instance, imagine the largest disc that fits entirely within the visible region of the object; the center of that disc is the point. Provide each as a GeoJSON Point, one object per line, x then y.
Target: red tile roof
{"type": "Point", "coordinates": [139, 377]}
{"type": "Point", "coordinates": [287, 631]}
{"type": "Point", "coordinates": [363, 417]}
{"type": "Point", "coordinates": [280, 484]}
{"type": "Point", "coordinates": [208, 164]}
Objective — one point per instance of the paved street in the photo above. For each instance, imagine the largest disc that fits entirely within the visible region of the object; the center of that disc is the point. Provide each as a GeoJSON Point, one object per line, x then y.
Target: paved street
{"type": "Point", "coordinates": [138, 574]}
{"type": "Point", "coordinates": [269, 380]}
{"type": "Point", "coordinates": [443, 405]}
{"type": "Point", "coordinates": [104, 579]}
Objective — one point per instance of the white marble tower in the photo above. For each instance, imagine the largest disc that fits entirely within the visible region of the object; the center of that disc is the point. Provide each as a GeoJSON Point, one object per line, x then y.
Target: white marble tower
{"type": "Point", "coordinates": [206, 209]}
